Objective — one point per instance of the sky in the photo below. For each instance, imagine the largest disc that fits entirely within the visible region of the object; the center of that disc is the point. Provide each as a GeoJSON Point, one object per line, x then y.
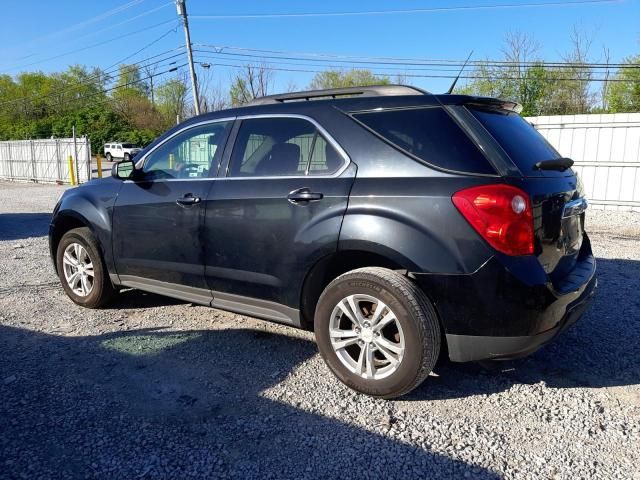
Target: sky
{"type": "Point", "coordinates": [50, 36]}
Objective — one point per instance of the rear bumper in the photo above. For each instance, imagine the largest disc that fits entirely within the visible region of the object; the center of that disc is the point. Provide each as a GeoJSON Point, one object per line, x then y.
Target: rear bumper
{"type": "Point", "coordinates": [467, 348]}
{"type": "Point", "coordinates": [508, 308]}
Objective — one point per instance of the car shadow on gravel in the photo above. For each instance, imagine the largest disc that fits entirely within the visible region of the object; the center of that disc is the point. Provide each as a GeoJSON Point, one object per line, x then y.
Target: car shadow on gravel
{"type": "Point", "coordinates": [132, 299]}
{"type": "Point", "coordinates": [159, 404]}
{"type": "Point", "coordinates": [18, 226]}
{"type": "Point", "coordinates": [601, 350]}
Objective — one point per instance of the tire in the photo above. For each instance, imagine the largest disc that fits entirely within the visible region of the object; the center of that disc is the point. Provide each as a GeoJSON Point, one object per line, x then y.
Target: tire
{"type": "Point", "coordinates": [101, 289]}
{"type": "Point", "coordinates": [126, 157]}
{"type": "Point", "coordinates": [415, 327]}
{"type": "Point", "coordinates": [109, 157]}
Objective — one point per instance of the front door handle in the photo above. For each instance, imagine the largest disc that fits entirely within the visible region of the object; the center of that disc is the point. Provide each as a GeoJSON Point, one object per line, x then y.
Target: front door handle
{"type": "Point", "coordinates": [188, 200]}
{"type": "Point", "coordinates": [304, 195]}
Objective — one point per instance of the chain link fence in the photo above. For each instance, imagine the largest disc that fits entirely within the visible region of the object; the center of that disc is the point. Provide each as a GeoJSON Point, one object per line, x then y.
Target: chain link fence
{"type": "Point", "coordinates": [46, 160]}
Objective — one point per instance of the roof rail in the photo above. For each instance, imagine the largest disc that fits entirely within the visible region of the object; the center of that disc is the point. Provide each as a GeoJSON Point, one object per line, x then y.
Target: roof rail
{"type": "Point", "coordinates": [365, 91]}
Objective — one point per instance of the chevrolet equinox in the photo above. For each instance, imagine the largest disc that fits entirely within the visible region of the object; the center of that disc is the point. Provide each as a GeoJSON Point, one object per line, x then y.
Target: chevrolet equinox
{"type": "Point", "coordinates": [392, 222]}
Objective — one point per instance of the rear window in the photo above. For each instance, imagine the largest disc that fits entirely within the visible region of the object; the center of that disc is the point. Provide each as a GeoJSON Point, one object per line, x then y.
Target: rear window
{"type": "Point", "coordinates": [518, 138]}
{"type": "Point", "coordinates": [128, 145]}
{"type": "Point", "coordinates": [429, 134]}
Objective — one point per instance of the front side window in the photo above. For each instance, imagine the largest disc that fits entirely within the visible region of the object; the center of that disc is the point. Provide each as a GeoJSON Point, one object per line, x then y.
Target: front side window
{"type": "Point", "coordinates": [190, 154]}
{"type": "Point", "coordinates": [276, 147]}
{"type": "Point", "coordinates": [429, 134]}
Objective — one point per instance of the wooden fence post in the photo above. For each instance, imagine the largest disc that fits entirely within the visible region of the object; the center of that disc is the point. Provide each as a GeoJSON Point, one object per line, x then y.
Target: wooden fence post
{"type": "Point", "coordinates": [99, 164]}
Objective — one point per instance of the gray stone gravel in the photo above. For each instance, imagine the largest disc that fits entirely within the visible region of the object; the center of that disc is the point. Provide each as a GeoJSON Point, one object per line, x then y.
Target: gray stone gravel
{"type": "Point", "coordinates": [155, 388]}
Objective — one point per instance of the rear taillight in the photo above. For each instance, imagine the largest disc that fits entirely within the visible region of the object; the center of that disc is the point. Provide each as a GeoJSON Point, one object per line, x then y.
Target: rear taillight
{"type": "Point", "coordinates": [501, 214]}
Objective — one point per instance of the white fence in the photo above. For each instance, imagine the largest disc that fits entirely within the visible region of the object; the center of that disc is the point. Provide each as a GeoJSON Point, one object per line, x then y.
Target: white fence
{"type": "Point", "coordinates": [45, 160]}
{"type": "Point", "coordinates": [606, 149]}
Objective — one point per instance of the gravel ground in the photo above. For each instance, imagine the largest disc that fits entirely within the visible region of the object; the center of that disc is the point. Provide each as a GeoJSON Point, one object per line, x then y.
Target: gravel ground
{"type": "Point", "coordinates": [155, 388]}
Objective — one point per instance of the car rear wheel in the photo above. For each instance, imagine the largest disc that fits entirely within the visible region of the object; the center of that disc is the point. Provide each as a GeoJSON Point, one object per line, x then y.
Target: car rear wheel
{"type": "Point", "coordinates": [109, 157]}
{"type": "Point", "coordinates": [377, 332]}
{"type": "Point", "coordinates": [127, 157]}
{"type": "Point", "coordinates": [81, 269]}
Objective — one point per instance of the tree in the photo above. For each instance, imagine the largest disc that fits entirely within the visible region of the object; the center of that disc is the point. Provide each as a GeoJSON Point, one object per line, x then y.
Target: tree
{"type": "Point", "coordinates": [211, 94]}
{"type": "Point", "coordinates": [569, 89]}
{"type": "Point", "coordinates": [251, 82]}
{"type": "Point", "coordinates": [172, 99]}
{"type": "Point", "coordinates": [346, 78]}
{"type": "Point", "coordinates": [38, 105]}
{"type": "Point", "coordinates": [523, 78]}
{"type": "Point", "coordinates": [623, 95]}
{"type": "Point", "coordinates": [129, 82]}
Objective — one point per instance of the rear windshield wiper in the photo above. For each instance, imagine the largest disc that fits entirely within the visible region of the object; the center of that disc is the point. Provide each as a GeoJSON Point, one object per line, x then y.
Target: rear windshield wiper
{"type": "Point", "coordinates": [560, 164]}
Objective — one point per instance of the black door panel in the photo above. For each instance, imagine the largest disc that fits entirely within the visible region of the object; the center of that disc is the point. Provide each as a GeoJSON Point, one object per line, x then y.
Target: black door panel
{"type": "Point", "coordinates": [257, 243]}
{"type": "Point", "coordinates": [157, 220]}
{"type": "Point", "coordinates": [157, 238]}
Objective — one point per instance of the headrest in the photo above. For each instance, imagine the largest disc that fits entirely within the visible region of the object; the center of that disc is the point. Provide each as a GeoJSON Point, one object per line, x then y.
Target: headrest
{"type": "Point", "coordinates": [283, 159]}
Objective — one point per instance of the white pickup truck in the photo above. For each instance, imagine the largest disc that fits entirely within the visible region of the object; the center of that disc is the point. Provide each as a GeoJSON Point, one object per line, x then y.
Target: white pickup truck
{"type": "Point", "coordinates": [124, 151]}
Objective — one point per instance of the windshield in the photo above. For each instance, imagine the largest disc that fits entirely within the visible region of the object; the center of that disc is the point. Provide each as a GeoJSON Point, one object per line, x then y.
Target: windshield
{"type": "Point", "coordinates": [517, 137]}
{"type": "Point", "coordinates": [128, 145]}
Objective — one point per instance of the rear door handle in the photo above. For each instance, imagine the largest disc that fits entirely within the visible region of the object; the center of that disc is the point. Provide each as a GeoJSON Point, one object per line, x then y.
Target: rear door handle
{"type": "Point", "coordinates": [304, 195]}
{"type": "Point", "coordinates": [188, 200]}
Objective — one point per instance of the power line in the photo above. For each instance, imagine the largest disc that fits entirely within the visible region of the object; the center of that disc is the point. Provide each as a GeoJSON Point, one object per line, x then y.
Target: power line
{"type": "Point", "coordinates": [88, 47]}
{"type": "Point", "coordinates": [87, 81]}
{"type": "Point", "coordinates": [109, 99]}
{"type": "Point", "coordinates": [313, 63]}
{"type": "Point", "coordinates": [108, 70]}
{"type": "Point", "coordinates": [433, 66]}
{"type": "Point", "coordinates": [153, 42]}
{"type": "Point", "coordinates": [325, 57]}
{"type": "Point", "coordinates": [89, 21]}
{"type": "Point", "coordinates": [407, 11]}
{"type": "Point", "coordinates": [413, 75]}
{"type": "Point", "coordinates": [125, 85]}
{"type": "Point", "coordinates": [124, 22]}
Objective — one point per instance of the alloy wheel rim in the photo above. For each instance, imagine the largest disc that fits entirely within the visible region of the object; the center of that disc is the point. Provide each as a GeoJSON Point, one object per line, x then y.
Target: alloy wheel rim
{"type": "Point", "coordinates": [366, 336]}
{"type": "Point", "coordinates": [78, 269]}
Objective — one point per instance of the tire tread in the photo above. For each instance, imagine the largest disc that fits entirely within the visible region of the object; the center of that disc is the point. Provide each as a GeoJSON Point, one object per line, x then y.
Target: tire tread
{"type": "Point", "coordinates": [423, 311]}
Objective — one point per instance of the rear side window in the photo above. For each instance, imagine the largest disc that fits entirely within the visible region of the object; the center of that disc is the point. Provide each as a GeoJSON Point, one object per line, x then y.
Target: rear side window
{"type": "Point", "coordinates": [273, 147]}
{"type": "Point", "coordinates": [429, 134]}
{"type": "Point", "coordinates": [523, 143]}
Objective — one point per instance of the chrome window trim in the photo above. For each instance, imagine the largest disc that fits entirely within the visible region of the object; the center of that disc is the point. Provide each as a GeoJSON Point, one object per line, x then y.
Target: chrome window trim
{"type": "Point", "coordinates": [345, 157]}
{"type": "Point", "coordinates": [320, 128]}
{"type": "Point", "coordinates": [140, 163]}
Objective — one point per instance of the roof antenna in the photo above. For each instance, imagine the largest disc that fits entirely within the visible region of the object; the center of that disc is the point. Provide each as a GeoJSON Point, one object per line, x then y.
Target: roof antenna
{"type": "Point", "coordinates": [453, 85]}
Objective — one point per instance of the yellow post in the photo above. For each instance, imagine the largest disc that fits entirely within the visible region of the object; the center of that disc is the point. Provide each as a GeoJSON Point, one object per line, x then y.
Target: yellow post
{"type": "Point", "coordinates": [72, 173]}
{"type": "Point", "coordinates": [99, 163]}
{"type": "Point", "coordinates": [172, 161]}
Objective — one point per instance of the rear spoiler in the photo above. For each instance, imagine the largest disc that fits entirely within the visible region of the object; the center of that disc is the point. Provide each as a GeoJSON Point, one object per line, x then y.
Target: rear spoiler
{"type": "Point", "coordinates": [482, 102]}
{"type": "Point", "coordinates": [497, 104]}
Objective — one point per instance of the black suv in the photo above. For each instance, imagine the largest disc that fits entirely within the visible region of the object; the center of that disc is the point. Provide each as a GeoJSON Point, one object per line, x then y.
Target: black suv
{"type": "Point", "coordinates": [393, 222]}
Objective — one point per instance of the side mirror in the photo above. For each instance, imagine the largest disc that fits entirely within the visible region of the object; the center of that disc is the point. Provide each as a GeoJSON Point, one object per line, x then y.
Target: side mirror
{"type": "Point", "coordinates": [122, 170]}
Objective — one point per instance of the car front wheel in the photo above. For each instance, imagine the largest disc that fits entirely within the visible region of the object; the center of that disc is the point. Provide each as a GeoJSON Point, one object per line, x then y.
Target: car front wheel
{"type": "Point", "coordinates": [81, 269]}
{"type": "Point", "coordinates": [377, 332]}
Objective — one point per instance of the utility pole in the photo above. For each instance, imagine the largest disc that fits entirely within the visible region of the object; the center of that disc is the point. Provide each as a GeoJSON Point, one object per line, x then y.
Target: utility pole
{"type": "Point", "coordinates": [182, 11]}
